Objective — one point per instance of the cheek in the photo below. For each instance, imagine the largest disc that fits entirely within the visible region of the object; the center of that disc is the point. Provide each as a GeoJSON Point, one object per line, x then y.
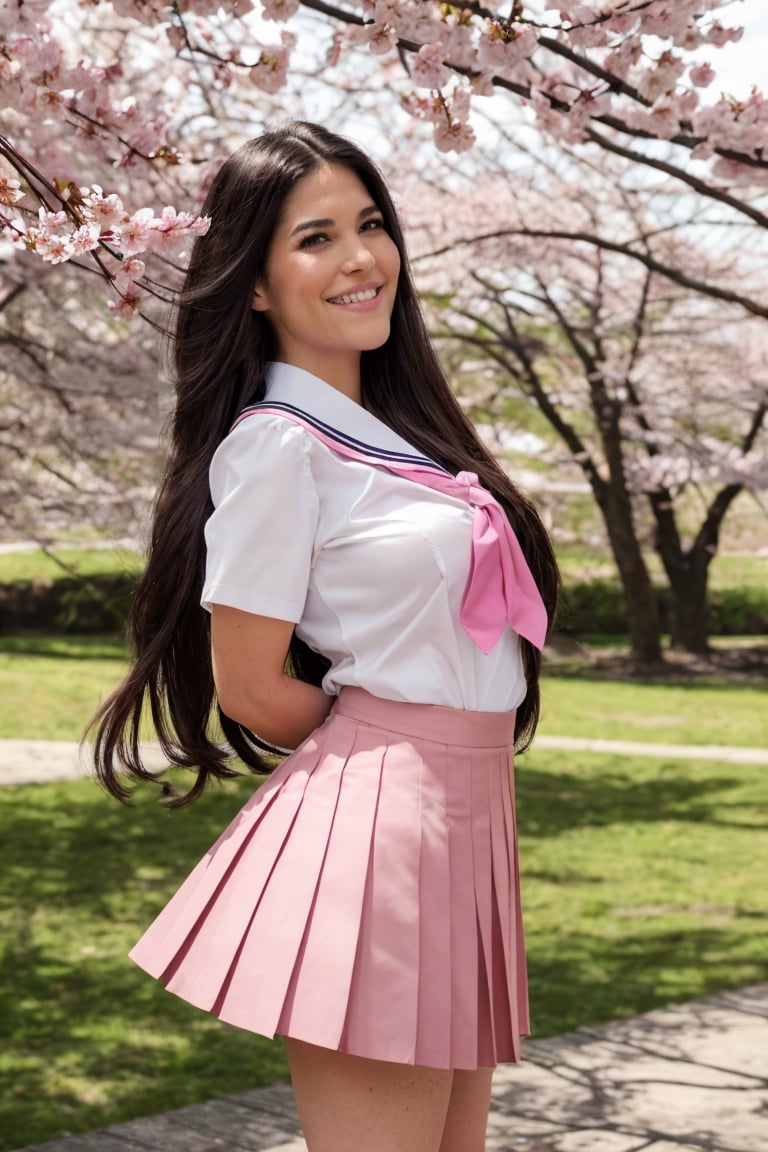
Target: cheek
{"type": "Point", "coordinates": [393, 258]}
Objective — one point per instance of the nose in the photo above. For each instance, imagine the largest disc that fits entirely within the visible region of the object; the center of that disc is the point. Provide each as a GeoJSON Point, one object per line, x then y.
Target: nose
{"type": "Point", "coordinates": [357, 256]}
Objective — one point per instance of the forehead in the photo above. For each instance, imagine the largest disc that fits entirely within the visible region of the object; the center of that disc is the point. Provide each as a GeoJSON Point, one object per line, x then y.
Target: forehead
{"type": "Point", "coordinates": [329, 191]}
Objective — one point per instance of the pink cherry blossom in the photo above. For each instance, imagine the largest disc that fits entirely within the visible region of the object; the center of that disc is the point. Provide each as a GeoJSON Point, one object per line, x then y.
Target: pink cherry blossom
{"type": "Point", "coordinates": [127, 305]}
{"type": "Point", "coordinates": [381, 38]}
{"type": "Point", "coordinates": [130, 270]}
{"type": "Point", "coordinates": [504, 51]}
{"type": "Point", "coordinates": [107, 210]}
{"type": "Point", "coordinates": [166, 231]}
{"type": "Point", "coordinates": [117, 102]}
{"type": "Point", "coordinates": [453, 136]}
{"type": "Point", "coordinates": [13, 231]}
{"type": "Point", "coordinates": [54, 248]}
{"type": "Point", "coordinates": [427, 70]}
{"type": "Point", "coordinates": [133, 235]}
{"type": "Point", "coordinates": [718, 35]}
{"type": "Point", "coordinates": [271, 69]}
{"type": "Point", "coordinates": [10, 190]}
{"type": "Point", "coordinates": [85, 238]}
{"type": "Point", "coordinates": [702, 75]}
{"type": "Point", "coordinates": [279, 9]}
{"type": "Point", "coordinates": [662, 79]}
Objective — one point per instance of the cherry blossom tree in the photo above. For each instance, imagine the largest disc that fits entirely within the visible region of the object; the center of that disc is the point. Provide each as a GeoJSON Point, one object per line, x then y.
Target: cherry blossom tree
{"type": "Point", "coordinates": [114, 116]}
{"type": "Point", "coordinates": [80, 408]}
{"type": "Point", "coordinates": [640, 340]}
{"type": "Point", "coordinates": [89, 149]}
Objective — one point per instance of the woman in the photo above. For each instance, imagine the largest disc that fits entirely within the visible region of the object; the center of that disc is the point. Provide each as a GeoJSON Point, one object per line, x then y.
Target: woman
{"type": "Point", "coordinates": [332, 508]}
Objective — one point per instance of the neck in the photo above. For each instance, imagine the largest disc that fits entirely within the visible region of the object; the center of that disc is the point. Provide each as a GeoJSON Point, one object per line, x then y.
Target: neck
{"type": "Point", "coordinates": [343, 375]}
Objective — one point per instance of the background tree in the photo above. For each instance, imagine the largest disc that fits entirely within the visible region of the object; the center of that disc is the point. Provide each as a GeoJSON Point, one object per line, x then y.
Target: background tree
{"type": "Point", "coordinates": [80, 408]}
{"type": "Point", "coordinates": [613, 75]}
{"type": "Point", "coordinates": [635, 337]}
{"type": "Point", "coordinates": [111, 111]}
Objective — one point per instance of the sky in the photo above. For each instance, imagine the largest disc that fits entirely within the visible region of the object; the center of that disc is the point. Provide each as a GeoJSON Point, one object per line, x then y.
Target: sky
{"type": "Point", "coordinates": [739, 66]}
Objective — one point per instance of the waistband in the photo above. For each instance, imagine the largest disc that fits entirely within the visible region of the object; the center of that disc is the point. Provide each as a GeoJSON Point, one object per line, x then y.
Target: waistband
{"type": "Point", "coordinates": [457, 726]}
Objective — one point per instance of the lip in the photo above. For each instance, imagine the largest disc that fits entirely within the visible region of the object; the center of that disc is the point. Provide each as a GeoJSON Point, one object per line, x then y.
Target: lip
{"type": "Point", "coordinates": [358, 305]}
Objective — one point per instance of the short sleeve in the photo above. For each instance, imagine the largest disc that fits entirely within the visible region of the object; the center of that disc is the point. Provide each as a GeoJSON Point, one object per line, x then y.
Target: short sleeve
{"type": "Point", "coordinates": [260, 537]}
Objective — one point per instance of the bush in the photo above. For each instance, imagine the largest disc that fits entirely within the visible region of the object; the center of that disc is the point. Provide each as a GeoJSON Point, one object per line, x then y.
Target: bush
{"type": "Point", "coordinates": [593, 606]}
{"type": "Point", "coordinates": [89, 605]}
{"type": "Point", "coordinates": [597, 606]}
{"type": "Point", "coordinates": [99, 603]}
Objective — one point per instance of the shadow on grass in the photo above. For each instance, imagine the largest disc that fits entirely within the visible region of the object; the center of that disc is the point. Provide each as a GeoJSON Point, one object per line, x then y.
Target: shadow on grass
{"type": "Point", "coordinates": [91, 1040]}
{"type": "Point", "coordinates": [65, 647]}
{"type": "Point", "coordinates": [582, 981]}
{"type": "Point", "coordinates": [552, 802]}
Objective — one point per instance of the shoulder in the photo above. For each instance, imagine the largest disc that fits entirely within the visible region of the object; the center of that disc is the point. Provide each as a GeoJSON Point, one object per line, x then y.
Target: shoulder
{"type": "Point", "coordinates": [261, 448]}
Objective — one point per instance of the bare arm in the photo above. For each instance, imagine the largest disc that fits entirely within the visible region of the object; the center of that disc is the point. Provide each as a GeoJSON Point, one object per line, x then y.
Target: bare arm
{"type": "Point", "coordinates": [249, 654]}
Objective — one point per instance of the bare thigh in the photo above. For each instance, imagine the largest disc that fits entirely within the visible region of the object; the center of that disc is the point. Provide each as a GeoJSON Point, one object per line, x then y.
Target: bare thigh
{"type": "Point", "coordinates": [347, 1104]}
{"type": "Point", "coordinates": [467, 1119]}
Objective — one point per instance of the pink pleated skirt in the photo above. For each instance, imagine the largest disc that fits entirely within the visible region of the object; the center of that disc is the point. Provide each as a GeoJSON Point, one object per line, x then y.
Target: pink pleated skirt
{"type": "Point", "coordinates": [366, 898]}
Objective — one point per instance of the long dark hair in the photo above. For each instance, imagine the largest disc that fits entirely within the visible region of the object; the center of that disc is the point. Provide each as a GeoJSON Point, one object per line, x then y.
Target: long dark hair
{"type": "Point", "coordinates": [220, 351]}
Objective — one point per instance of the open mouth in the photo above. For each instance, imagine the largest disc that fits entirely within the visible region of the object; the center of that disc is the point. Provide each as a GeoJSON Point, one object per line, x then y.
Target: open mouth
{"type": "Point", "coordinates": [355, 297]}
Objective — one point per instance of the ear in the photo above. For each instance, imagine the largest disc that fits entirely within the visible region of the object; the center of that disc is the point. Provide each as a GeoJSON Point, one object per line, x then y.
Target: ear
{"type": "Point", "coordinates": [260, 302]}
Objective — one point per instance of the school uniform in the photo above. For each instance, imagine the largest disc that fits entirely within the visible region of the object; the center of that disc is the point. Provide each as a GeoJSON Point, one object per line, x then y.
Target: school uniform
{"type": "Point", "coordinates": [366, 898]}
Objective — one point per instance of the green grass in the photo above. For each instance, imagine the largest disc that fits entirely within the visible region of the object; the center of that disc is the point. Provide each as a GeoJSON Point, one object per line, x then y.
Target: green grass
{"type": "Point", "coordinates": [726, 571]}
{"type": "Point", "coordinates": [644, 882]}
{"type": "Point", "coordinates": [37, 565]}
{"type": "Point", "coordinates": [51, 685]}
{"type": "Point", "coordinates": [643, 885]}
{"type": "Point", "coordinates": [724, 713]}
{"type": "Point", "coordinates": [88, 1038]}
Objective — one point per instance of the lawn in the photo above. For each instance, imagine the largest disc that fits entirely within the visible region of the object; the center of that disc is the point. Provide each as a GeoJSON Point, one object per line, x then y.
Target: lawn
{"type": "Point", "coordinates": [643, 885]}
{"type": "Point", "coordinates": [51, 685]}
{"type": "Point", "coordinates": [710, 713]}
{"type": "Point", "coordinates": [33, 564]}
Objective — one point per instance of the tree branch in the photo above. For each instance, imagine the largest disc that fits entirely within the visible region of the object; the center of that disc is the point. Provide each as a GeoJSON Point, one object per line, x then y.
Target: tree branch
{"type": "Point", "coordinates": [651, 263]}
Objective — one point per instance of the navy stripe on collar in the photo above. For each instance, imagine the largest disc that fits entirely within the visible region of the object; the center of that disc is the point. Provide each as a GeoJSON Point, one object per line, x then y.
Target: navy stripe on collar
{"type": "Point", "coordinates": [371, 450]}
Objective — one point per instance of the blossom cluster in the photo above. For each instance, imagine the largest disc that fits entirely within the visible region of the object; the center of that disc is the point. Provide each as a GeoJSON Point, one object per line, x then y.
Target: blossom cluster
{"type": "Point", "coordinates": [594, 66]}
{"type": "Point", "coordinates": [80, 108]}
{"type": "Point", "coordinates": [98, 221]}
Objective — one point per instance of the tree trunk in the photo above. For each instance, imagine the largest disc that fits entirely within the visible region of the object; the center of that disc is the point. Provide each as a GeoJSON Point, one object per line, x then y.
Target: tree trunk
{"type": "Point", "coordinates": [615, 503]}
{"type": "Point", "coordinates": [687, 615]}
{"type": "Point", "coordinates": [639, 594]}
{"type": "Point", "coordinates": [688, 569]}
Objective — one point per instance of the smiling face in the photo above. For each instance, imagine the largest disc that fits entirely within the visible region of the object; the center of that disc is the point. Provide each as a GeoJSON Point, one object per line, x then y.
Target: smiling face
{"type": "Point", "coordinates": [331, 277]}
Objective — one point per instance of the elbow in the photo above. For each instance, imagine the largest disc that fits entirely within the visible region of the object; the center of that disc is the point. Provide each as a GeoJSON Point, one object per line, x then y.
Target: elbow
{"type": "Point", "coordinates": [258, 711]}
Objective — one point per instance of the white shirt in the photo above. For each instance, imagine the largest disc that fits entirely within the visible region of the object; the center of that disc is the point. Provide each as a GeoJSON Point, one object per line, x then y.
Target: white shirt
{"type": "Point", "coordinates": [369, 565]}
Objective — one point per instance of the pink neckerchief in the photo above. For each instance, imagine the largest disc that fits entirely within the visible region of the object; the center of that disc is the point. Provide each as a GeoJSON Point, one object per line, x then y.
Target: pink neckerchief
{"type": "Point", "coordinates": [500, 589]}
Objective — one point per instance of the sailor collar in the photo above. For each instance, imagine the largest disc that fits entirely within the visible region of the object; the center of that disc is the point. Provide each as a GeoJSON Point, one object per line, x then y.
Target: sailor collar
{"type": "Point", "coordinates": [335, 418]}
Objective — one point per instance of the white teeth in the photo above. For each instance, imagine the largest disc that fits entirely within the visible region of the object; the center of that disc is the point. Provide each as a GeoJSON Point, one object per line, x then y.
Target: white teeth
{"type": "Point", "coordinates": [355, 297]}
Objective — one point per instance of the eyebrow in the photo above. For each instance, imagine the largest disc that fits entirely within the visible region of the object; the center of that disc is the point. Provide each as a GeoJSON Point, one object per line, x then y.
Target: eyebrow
{"type": "Point", "coordinates": [308, 225]}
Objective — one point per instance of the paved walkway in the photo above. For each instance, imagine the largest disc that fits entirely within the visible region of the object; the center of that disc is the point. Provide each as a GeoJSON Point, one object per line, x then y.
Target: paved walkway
{"type": "Point", "coordinates": [693, 1077]}
{"type": "Point", "coordinates": [42, 761]}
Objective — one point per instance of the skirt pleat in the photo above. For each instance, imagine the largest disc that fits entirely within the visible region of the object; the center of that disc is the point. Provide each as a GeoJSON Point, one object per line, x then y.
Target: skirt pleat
{"type": "Point", "coordinates": [483, 873]}
{"type": "Point", "coordinates": [383, 995]}
{"type": "Point", "coordinates": [366, 898]}
{"type": "Point", "coordinates": [436, 967]}
{"type": "Point", "coordinates": [316, 1003]}
{"type": "Point", "coordinates": [465, 967]}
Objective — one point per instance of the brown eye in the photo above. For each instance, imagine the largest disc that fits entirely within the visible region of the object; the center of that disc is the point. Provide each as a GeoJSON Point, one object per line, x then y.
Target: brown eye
{"type": "Point", "coordinates": [313, 240]}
